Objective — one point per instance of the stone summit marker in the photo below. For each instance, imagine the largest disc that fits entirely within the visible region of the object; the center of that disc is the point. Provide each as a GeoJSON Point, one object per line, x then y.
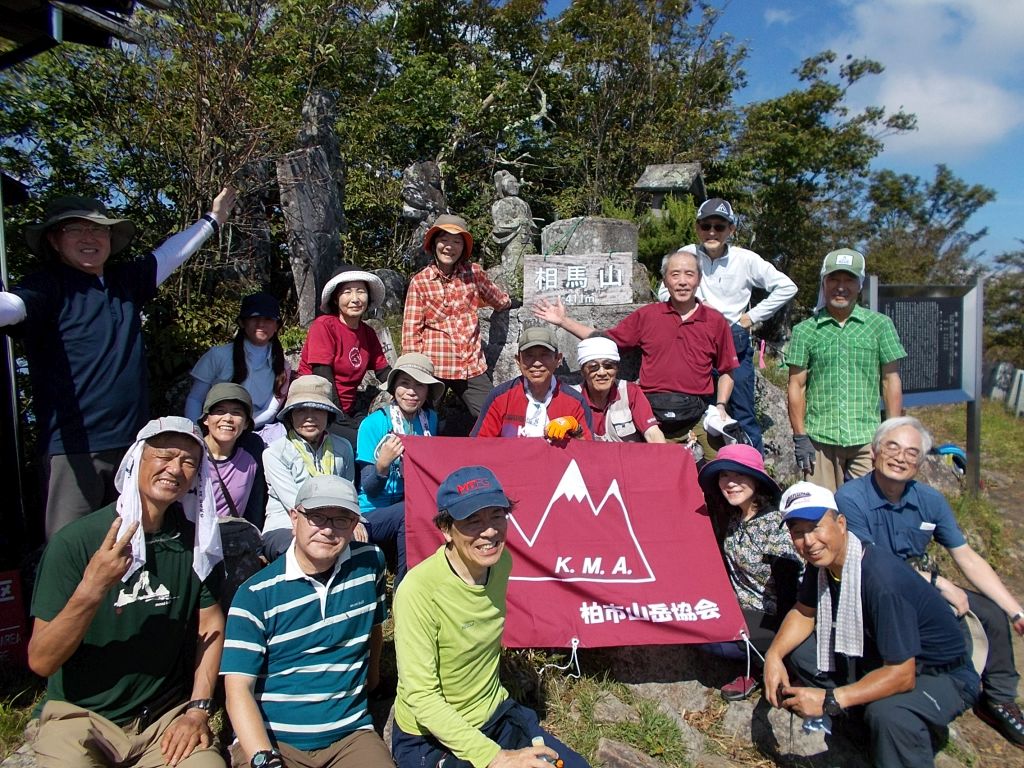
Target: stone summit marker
{"type": "Point", "coordinates": [589, 278]}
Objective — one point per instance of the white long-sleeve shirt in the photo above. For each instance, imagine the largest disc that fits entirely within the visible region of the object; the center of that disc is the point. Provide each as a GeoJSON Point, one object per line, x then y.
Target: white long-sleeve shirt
{"type": "Point", "coordinates": [726, 284]}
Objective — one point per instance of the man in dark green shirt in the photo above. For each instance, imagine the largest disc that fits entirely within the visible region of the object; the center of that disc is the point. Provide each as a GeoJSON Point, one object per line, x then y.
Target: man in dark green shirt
{"type": "Point", "coordinates": [125, 629]}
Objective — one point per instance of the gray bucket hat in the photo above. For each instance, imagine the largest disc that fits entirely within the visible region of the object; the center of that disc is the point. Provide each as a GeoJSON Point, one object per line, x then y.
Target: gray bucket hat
{"type": "Point", "coordinates": [420, 368]}
{"type": "Point", "coordinates": [63, 208]}
{"type": "Point", "coordinates": [310, 391]}
{"type": "Point", "coordinates": [349, 274]}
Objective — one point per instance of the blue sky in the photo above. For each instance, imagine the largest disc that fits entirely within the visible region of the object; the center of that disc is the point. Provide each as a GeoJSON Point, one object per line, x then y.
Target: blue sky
{"type": "Point", "coordinates": [957, 64]}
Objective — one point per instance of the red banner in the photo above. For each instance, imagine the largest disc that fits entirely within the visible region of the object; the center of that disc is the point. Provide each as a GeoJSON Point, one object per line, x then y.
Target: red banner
{"type": "Point", "coordinates": [611, 544]}
{"type": "Point", "coordinates": [14, 632]}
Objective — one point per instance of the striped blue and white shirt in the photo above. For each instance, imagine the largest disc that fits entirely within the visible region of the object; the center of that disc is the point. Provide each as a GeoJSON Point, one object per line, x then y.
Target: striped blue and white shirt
{"type": "Point", "coordinates": [308, 644]}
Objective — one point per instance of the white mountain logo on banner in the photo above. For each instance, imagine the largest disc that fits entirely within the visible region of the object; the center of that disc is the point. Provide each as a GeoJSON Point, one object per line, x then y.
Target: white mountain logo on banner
{"type": "Point", "coordinates": [576, 540]}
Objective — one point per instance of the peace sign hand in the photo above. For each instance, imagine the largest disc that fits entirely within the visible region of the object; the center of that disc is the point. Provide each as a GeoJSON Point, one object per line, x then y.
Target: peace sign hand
{"type": "Point", "coordinates": [111, 561]}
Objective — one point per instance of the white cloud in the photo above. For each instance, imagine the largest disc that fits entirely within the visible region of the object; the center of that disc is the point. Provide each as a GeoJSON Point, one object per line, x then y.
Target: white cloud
{"type": "Point", "coordinates": [778, 16]}
{"type": "Point", "coordinates": [956, 64]}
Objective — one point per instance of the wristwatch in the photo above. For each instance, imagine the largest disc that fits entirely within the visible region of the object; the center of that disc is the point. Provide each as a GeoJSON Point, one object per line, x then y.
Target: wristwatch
{"type": "Point", "coordinates": [204, 704]}
{"type": "Point", "coordinates": [267, 758]}
{"type": "Point", "coordinates": [831, 706]}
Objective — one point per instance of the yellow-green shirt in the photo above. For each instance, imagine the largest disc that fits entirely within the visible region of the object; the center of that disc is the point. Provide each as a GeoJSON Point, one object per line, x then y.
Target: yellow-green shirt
{"type": "Point", "coordinates": [448, 643]}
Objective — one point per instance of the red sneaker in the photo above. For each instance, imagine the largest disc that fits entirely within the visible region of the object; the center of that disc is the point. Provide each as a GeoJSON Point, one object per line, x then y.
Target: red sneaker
{"type": "Point", "coordinates": [740, 688]}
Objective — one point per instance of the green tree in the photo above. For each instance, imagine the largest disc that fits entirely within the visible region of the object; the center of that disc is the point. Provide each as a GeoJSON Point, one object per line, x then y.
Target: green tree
{"type": "Point", "coordinates": [1004, 323]}
{"type": "Point", "coordinates": [799, 165]}
{"type": "Point", "coordinates": [919, 228]}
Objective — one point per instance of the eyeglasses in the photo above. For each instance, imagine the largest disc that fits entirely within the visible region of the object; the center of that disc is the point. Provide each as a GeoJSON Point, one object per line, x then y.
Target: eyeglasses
{"type": "Point", "coordinates": [594, 366]}
{"type": "Point", "coordinates": [707, 226]}
{"type": "Point", "coordinates": [897, 451]}
{"type": "Point", "coordinates": [76, 230]}
{"type": "Point", "coordinates": [320, 520]}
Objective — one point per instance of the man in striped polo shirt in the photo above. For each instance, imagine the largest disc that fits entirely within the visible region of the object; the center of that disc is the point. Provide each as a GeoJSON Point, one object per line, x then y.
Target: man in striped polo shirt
{"type": "Point", "coordinates": [303, 642]}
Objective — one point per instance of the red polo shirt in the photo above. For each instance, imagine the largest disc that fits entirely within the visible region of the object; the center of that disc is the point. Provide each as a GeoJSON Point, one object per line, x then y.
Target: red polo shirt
{"type": "Point", "coordinates": [678, 355]}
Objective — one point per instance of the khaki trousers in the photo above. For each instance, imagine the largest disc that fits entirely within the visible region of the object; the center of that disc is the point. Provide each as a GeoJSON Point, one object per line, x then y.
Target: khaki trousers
{"type": "Point", "coordinates": [72, 737]}
{"type": "Point", "coordinates": [362, 749]}
{"type": "Point", "coordinates": [833, 463]}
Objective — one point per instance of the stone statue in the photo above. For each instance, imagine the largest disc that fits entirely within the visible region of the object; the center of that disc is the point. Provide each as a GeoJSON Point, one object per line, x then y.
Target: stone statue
{"type": "Point", "coordinates": [422, 202]}
{"type": "Point", "coordinates": [514, 225]}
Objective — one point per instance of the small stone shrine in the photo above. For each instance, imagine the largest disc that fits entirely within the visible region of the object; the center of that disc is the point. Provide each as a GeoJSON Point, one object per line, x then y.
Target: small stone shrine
{"type": "Point", "coordinates": [678, 178]}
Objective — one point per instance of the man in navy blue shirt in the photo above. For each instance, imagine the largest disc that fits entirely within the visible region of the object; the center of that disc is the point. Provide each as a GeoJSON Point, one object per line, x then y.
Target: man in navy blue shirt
{"type": "Point", "coordinates": [902, 516]}
{"type": "Point", "coordinates": [867, 632]}
{"type": "Point", "coordinates": [80, 320]}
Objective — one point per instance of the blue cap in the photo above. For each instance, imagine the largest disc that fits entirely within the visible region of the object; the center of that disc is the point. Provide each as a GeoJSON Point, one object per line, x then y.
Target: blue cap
{"type": "Point", "coordinates": [468, 490]}
{"type": "Point", "coordinates": [806, 501]}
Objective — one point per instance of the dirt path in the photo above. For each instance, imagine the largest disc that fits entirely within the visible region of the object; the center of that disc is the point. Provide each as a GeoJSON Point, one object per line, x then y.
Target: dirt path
{"type": "Point", "coordinates": [1008, 495]}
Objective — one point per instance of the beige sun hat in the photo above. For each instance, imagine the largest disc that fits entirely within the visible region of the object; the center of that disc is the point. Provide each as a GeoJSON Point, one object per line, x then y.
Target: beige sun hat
{"type": "Point", "coordinates": [421, 369]}
{"type": "Point", "coordinates": [310, 391]}
{"type": "Point", "coordinates": [71, 207]}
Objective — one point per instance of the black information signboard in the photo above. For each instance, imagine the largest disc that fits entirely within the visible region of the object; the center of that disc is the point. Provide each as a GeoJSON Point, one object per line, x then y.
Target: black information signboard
{"type": "Point", "coordinates": [932, 333]}
{"type": "Point", "coordinates": [940, 328]}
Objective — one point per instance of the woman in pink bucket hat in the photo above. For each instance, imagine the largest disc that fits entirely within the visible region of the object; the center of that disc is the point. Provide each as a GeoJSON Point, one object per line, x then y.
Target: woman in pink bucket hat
{"type": "Point", "coordinates": [763, 567]}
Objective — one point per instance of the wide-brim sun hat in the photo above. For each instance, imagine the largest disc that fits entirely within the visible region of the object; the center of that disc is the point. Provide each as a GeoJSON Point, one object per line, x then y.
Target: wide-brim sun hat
{"type": "Point", "coordinates": [122, 231]}
{"type": "Point", "coordinates": [310, 391]}
{"type": "Point", "coordinates": [455, 225]}
{"type": "Point", "coordinates": [350, 274]}
{"type": "Point", "coordinates": [744, 459]}
{"type": "Point", "coordinates": [420, 368]}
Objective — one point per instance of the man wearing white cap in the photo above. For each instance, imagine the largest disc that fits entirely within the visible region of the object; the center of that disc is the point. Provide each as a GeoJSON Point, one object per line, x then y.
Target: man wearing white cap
{"type": "Point", "coordinates": [838, 359]}
{"type": "Point", "coordinates": [866, 632]}
{"type": "Point", "coordinates": [304, 639]}
{"type": "Point", "coordinates": [125, 628]}
{"type": "Point", "coordinates": [730, 275]}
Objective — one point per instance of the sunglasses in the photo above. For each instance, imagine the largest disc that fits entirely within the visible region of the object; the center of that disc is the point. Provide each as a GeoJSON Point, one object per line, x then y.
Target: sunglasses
{"type": "Point", "coordinates": [595, 365]}
{"type": "Point", "coordinates": [707, 226]}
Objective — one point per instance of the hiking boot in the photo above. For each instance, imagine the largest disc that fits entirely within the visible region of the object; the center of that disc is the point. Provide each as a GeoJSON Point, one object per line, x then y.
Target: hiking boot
{"type": "Point", "coordinates": [1005, 717]}
{"type": "Point", "coordinates": [740, 688]}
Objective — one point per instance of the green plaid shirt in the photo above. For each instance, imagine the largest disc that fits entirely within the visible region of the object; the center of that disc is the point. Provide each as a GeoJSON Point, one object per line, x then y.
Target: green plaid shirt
{"type": "Point", "coordinates": [843, 365]}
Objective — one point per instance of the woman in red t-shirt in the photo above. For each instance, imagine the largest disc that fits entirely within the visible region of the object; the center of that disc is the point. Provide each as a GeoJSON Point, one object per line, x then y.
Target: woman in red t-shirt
{"type": "Point", "coordinates": [341, 347]}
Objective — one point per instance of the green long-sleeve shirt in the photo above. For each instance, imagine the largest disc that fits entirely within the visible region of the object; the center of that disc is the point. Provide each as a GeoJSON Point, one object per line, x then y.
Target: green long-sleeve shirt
{"type": "Point", "coordinates": [448, 643]}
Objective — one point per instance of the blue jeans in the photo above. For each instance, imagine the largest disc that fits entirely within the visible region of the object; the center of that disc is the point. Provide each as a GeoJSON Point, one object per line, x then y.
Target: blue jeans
{"type": "Point", "coordinates": [512, 726]}
{"type": "Point", "coordinates": [741, 404]}
{"type": "Point", "coordinates": [386, 527]}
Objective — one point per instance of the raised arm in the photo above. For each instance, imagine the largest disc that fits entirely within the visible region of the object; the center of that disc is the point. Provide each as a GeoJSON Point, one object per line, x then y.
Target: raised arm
{"type": "Point", "coordinates": [53, 642]}
{"type": "Point", "coordinates": [177, 249]}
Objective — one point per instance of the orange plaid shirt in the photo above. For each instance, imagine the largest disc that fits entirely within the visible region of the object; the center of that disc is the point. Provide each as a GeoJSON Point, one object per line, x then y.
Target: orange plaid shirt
{"type": "Point", "coordinates": [441, 318]}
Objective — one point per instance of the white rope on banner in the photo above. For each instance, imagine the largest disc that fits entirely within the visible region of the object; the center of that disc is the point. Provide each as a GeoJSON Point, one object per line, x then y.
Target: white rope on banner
{"type": "Point", "coordinates": [574, 662]}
